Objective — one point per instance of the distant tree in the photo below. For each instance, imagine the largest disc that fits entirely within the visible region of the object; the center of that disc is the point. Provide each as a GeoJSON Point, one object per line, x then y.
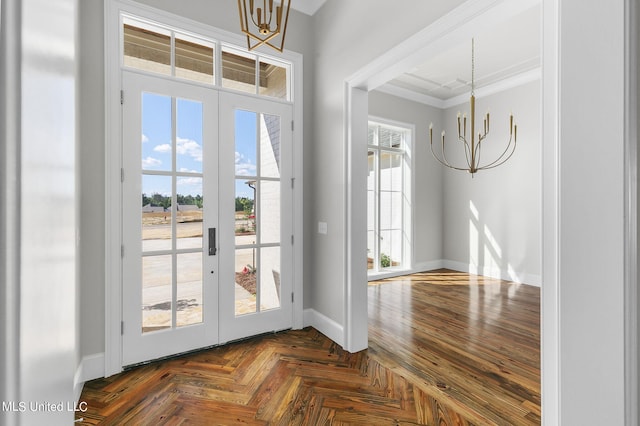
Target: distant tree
{"type": "Point", "coordinates": [159, 200]}
{"type": "Point", "coordinates": [244, 204]}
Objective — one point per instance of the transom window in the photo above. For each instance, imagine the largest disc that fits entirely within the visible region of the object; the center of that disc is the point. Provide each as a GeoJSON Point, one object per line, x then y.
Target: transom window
{"type": "Point", "coordinates": [158, 49]}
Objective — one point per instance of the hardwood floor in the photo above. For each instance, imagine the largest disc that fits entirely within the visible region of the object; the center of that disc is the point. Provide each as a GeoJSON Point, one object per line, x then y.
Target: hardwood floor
{"type": "Point", "coordinates": [445, 348]}
{"type": "Point", "coordinates": [468, 342]}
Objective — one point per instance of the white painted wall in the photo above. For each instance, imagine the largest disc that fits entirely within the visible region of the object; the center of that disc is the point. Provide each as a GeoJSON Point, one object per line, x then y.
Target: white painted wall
{"type": "Point", "coordinates": [492, 224]}
{"type": "Point", "coordinates": [590, 217]}
{"type": "Point", "coordinates": [428, 209]}
{"type": "Point", "coordinates": [44, 349]}
{"type": "Point", "coordinates": [634, 71]}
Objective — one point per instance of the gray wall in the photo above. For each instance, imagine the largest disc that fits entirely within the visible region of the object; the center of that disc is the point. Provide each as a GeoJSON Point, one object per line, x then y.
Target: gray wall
{"type": "Point", "coordinates": [350, 36]}
{"type": "Point", "coordinates": [428, 208]}
{"type": "Point", "coordinates": [493, 220]}
{"type": "Point", "coordinates": [92, 176]}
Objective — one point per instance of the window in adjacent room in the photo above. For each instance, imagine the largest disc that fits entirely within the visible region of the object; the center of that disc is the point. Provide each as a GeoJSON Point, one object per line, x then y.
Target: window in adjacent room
{"type": "Point", "coordinates": [388, 197]}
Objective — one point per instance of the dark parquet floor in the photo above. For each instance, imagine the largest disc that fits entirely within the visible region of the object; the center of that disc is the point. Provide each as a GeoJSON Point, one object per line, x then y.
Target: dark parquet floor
{"type": "Point", "coordinates": [446, 349]}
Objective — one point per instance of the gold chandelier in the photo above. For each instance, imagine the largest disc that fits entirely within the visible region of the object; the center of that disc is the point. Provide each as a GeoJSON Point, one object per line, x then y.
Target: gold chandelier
{"type": "Point", "coordinates": [472, 148]}
{"type": "Point", "coordinates": [262, 25]}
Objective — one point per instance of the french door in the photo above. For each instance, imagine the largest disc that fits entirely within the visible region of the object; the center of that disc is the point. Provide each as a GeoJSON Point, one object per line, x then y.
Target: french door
{"type": "Point", "coordinates": [204, 215]}
{"type": "Point", "coordinates": [256, 176]}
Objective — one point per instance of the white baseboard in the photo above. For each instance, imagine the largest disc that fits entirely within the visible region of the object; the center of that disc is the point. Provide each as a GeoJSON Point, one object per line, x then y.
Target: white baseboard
{"type": "Point", "coordinates": [420, 267]}
{"type": "Point", "coordinates": [91, 367]}
{"type": "Point", "coordinates": [78, 384]}
{"type": "Point", "coordinates": [324, 325]}
{"type": "Point", "coordinates": [428, 266]}
{"type": "Point", "coordinates": [510, 275]}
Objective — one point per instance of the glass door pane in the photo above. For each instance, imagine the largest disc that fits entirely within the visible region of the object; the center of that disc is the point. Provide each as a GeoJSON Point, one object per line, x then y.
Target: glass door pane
{"type": "Point", "coordinates": [172, 203]}
{"type": "Point", "coordinates": [170, 285]}
{"type": "Point", "coordinates": [257, 215]}
{"type": "Point", "coordinates": [157, 301]}
{"type": "Point", "coordinates": [372, 211]}
{"type": "Point", "coordinates": [388, 198]}
{"type": "Point", "coordinates": [391, 209]}
{"type": "Point", "coordinates": [256, 290]}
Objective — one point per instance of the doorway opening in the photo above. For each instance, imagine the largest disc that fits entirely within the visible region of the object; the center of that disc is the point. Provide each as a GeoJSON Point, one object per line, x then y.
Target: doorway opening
{"type": "Point", "coordinates": [176, 270]}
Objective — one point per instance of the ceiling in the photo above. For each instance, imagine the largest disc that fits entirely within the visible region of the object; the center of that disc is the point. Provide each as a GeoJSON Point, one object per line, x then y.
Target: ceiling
{"type": "Point", "coordinates": [507, 51]}
{"type": "Point", "coordinates": [308, 7]}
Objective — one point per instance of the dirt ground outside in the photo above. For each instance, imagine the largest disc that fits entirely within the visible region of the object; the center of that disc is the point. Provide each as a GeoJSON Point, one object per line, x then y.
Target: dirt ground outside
{"type": "Point", "coordinates": [156, 234]}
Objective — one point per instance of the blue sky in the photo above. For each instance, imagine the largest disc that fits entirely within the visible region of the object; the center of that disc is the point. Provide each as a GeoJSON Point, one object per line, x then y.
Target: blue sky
{"type": "Point", "coordinates": [245, 133]}
{"type": "Point", "coordinates": [157, 145]}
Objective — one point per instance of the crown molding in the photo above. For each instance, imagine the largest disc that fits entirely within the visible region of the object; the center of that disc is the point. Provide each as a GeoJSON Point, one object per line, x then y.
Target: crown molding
{"type": "Point", "coordinates": [411, 95]}
{"type": "Point", "coordinates": [497, 87]}
{"type": "Point", "coordinates": [500, 86]}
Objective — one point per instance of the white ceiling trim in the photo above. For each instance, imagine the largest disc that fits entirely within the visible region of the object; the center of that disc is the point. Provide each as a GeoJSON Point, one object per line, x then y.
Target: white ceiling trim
{"type": "Point", "coordinates": [491, 89]}
{"type": "Point", "coordinates": [411, 95]}
{"type": "Point", "coordinates": [497, 87]}
{"type": "Point", "coordinates": [455, 27]}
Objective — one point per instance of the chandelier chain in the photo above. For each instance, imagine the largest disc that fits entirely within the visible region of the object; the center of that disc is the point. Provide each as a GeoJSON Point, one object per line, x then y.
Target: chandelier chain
{"type": "Point", "coordinates": [473, 68]}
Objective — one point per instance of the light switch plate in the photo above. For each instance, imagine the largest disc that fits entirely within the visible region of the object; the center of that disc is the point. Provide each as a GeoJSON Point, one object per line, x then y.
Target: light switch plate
{"type": "Point", "coordinates": [322, 228]}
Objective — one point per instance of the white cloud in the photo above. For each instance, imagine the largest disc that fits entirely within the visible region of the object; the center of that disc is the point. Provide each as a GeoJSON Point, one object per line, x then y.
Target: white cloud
{"type": "Point", "coordinates": [150, 163]}
{"type": "Point", "coordinates": [164, 148]}
{"type": "Point", "coordinates": [244, 166]}
{"type": "Point", "coordinates": [189, 147]}
{"type": "Point", "coordinates": [144, 138]}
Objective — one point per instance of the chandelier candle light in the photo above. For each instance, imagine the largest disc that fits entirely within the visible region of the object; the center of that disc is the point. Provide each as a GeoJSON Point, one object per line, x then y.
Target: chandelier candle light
{"type": "Point", "coordinates": [471, 148]}
{"type": "Point", "coordinates": [261, 19]}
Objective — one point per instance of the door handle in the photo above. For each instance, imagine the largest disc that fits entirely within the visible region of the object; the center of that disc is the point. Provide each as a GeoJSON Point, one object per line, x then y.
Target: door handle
{"type": "Point", "coordinates": [213, 249]}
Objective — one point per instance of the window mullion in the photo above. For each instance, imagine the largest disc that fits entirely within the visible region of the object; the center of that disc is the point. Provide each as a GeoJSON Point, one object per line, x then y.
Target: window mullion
{"type": "Point", "coordinates": [257, 71]}
{"type": "Point", "coordinates": [377, 233]}
{"type": "Point", "coordinates": [217, 65]}
{"type": "Point", "coordinates": [173, 53]}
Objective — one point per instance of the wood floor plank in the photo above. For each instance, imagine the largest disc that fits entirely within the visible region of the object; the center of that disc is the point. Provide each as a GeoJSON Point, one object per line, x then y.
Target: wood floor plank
{"type": "Point", "coordinates": [445, 348]}
{"type": "Point", "coordinates": [476, 338]}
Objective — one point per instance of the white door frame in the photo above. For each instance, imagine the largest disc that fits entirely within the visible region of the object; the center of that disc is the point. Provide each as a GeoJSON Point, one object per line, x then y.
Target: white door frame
{"type": "Point", "coordinates": [113, 162]}
{"type": "Point", "coordinates": [632, 286]}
